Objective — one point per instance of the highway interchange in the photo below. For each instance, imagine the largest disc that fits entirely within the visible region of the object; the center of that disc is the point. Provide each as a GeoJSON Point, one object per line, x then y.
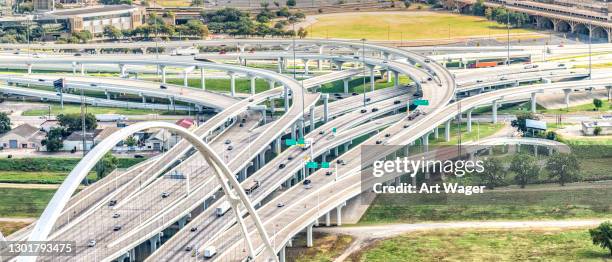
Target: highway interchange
{"type": "Point", "coordinates": [257, 141]}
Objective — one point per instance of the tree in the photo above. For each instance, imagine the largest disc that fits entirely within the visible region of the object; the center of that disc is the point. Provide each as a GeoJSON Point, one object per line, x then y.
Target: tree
{"type": "Point", "coordinates": [564, 167]}
{"type": "Point", "coordinates": [291, 3]}
{"type": "Point", "coordinates": [53, 140]}
{"type": "Point", "coordinates": [5, 123]}
{"type": "Point", "coordinates": [302, 33]}
{"type": "Point", "coordinates": [112, 32]}
{"type": "Point", "coordinates": [493, 174]}
{"type": "Point", "coordinates": [597, 130]}
{"type": "Point", "coordinates": [519, 123]}
{"type": "Point", "coordinates": [106, 165]}
{"type": "Point", "coordinates": [526, 169]}
{"type": "Point", "coordinates": [72, 122]}
{"type": "Point", "coordinates": [602, 235]}
{"type": "Point", "coordinates": [131, 141]}
{"type": "Point", "coordinates": [597, 103]}
{"type": "Point", "coordinates": [479, 8]}
{"type": "Point", "coordinates": [197, 2]}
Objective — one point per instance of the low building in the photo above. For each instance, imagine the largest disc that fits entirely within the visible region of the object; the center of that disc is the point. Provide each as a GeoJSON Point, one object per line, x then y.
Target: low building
{"type": "Point", "coordinates": [588, 127]}
{"type": "Point", "coordinates": [23, 136]}
{"type": "Point", "coordinates": [74, 142]}
{"type": "Point", "coordinates": [534, 127]}
{"type": "Point", "coordinates": [186, 123]}
{"type": "Point", "coordinates": [95, 18]}
{"type": "Point", "coordinates": [160, 140]}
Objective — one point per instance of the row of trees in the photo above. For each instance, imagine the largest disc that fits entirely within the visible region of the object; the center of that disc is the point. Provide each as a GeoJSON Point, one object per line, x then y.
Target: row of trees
{"type": "Point", "coordinates": [235, 22]}
{"type": "Point", "coordinates": [500, 14]}
{"type": "Point", "coordinates": [561, 167]}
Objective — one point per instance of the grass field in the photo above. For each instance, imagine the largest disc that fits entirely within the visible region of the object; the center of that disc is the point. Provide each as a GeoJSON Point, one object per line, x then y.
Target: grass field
{"type": "Point", "coordinates": [223, 85]}
{"type": "Point", "coordinates": [403, 25]}
{"type": "Point", "coordinates": [72, 109]}
{"type": "Point", "coordinates": [525, 107]}
{"type": "Point", "coordinates": [552, 202]}
{"type": "Point", "coordinates": [23, 202]}
{"type": "Point", "coordinates": [356, 85]}
{"type": "Point", "coordinates": [326, 247]}
{"type": "Point", "coordinates": [46, 170]}
{"type": "Point", "coordinates": [479, 131]}
{"type": "Point", "coordinates": [8, 228]}
{"type": "Point", "coordinates": [486, 245]}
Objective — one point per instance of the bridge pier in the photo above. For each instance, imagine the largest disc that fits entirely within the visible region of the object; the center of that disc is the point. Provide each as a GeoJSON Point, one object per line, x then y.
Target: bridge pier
{"type": "Point", "coordinates": [533, 103]}
{"type": "Point", "coordinates": [327, 219]}
{"type": "Point", "coordinates": [243, 175]}
{"type": "Point", "coordinates": [305, 66]}
{"type": "Point", "coordinates": [494, 107]}
{"type": "Point", "coordinates": [609, 88]}
{"type": "Point", "coordinates": [153, 242]}
{"type": "Point", "coordinates": [286, 95]}
{"type": "Point", "coordinates": [567, 96]}
{"type": "Point", "coordinates": [325, 107]}
{"type": "Point", "coordinates": [312, 119]}
{"type": "Point", "coordinates": [395, 79]}
{"type": "Point", "coordinates": [280, 65]}
{"type": "Point", "coordinates": [202, 79]}
{"type": "Point", "coordinates": [447, 127]}
{"type": "Point", "coordinates": [232, 76]}
{"type": "Point", "coordinates": [469, 121]}
{"type": "Point", "coordinates": [346, 84]}
{"type": "Point", "coordinates": [372, 79]}
{"type": "Point", "coordinates": [163, 73]}
{"type": "Point", "coordinates": [252, 81]}
{"type": "Point", "coordinates": [182, 221]}
{"type": "Point", "coordinates": [339, 65]}
{"type": "Point", "coordinates": [122, 70]}
{"type": "Point", "coordinates": [74, 68]}
{"type": "Point", "coordinates": [309, 236]}
{"type": "Point", "coordinates": [436, 132]}
{"type": "Point", "coordinates": [339, 214]}
{"type": "Point", "coordinates": [29, 68]}
{"type": "Point", "coordinates": [271, 84]}
{"type": "Point", "coordinates": [425, 142]}
{"type": "Point", "coordinates": [281, 255]}
{"type": "Point", "coordinates": [300, 123]}
{"type": "Point", "coordinates": [277, 145]}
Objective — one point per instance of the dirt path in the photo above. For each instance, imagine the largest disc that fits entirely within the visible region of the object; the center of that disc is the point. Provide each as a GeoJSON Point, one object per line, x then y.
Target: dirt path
{"type": "Point", "coordinates": [17, 220]}
{"type": "Point", "coordinates": [366, 234]}
{"type": "Point", "coordinates": [29, 186]}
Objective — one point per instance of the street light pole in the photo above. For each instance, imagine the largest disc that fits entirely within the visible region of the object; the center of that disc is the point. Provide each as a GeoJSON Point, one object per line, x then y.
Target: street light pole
{"type": "Point", "coordinates": [590, 58]}
{"type": "Point", "coordinates": [364, 71]}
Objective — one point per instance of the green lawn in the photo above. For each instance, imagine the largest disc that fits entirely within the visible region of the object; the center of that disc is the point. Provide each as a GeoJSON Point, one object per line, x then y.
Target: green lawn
{"type": "Point", "coordinates": [356, 85]}
{"type": "Point", "coordinates": [8, 228]}
{"type": "Point", "coordinates": [479, 130]}
{"type": "Point", "coordinates": [525, 107]}
{"type": "Point", "coordinates": [72, 108]}
{"type": "Point", "coordinates": [42, 177]}
{"type": "Point", "coordinates": [23, 202]}
{"type": "Point", "coordinates": [223, 85]}
{"type": "Point", "coordinates": [486, 245]}
{"type": "Point", "coordinates": [543, 202]}
{"type": "Point", "coordinates": [406, 25]}
{"type": "Point", "coordinates": [326, 247]}
{"type": "Point", "coordinates": [46, 170]}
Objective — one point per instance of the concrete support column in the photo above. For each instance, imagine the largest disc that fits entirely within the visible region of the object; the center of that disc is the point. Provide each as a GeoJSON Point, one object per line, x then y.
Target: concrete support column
{"type": "Point", "coordinates": [277, 145]}
{"type": "Point", "coordinates": [29, 69]}
{"type": "Point", "coordinates": [163, 73]}
{"type": "Point", "coordinates": [325, 107]}
{"type": "Point", "coordinates": [425, 142]}
{"type": "Point", "coordinates": [243, 175]}
{"type": "Point", "coordinates": [346, 85]}
{"type": "Point", "coordinates": [82, 67]}
{"type": "Point", "coordinates": [395, 79]}
{"type": "Point", "coordinates": [339, 215]}
{"type": "Point", "coordinates": [74, 68]}
{"type": "Point", "coordinates": [232, 76]}
{"type": "Point", "coordinates": [202, 79]}
{"type": "Point", "coordinates": [286, 96]}
{"type": "Point", "coordinates": [447, 127]}
{"type": "Point", "coordinates": [185, 80]}
{"type": "Point", "coordinates": [300, 123]}
{"type": "Point", "coordinates": [262, 158]}
{"type": "Point", "coordinates": [319, 65]}
{"type": "Point", "coordinates": [280, 65]}
{"type": "Point", "coordinates": [327, 219]}
{"type": "Point", "coordinates": [271, 84]}
{"type": "Point", "coordinates": [293, 131]}
{"type": "Point", "coordinates": [494, 112]}
{"type": "Point", "coordinates": [469, 120]}
{"type": "Point", "coordinates": [253, 79]}
{"type": "Point", "coordinates": [567, 96]}
{"type": "Point", "coordinates": [312, 119]}
{"type": "Point", "coordinates": [306, 66]}
{"type": "Point", "coordinates": [609, 88]}
{"type": "Point", "coordinates": [436, 132]}
{"type": "Point", "coordinates": [309, 236]}
{"type": "Point", "coordinates": [546, 81]}
{"type": "Point", "coordinates": [533, 103]}
{"type": "Point", "coordinates": [281, 255]}
{"type": "Point", "coordinates": [372, 79]}
{"type": "Point", "coordinates": [389, 79]}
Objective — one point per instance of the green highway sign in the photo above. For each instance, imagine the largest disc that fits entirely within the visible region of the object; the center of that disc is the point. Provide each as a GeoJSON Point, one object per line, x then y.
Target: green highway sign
{"type": "Point", "coordinates": [301, 141]}
{"type": "Point", "coordinates": [324, 164]}
{"type": "Point", "coordinates": [290, 142]}
{"type": "Point", "coordinates": [334, 130]}
{"type": "Point", "coordinates": [312, 164]}
{"type": "Point", "coordinates": [421, 102]}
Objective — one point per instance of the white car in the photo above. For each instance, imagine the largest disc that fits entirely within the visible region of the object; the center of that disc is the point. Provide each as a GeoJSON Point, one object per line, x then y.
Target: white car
{"type": "Point", "coordinates": [91, 243]}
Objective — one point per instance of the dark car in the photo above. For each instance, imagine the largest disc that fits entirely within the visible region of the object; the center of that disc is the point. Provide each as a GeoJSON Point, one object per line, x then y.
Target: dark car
{"type": "Point", "coordinates": [374, 109]}
{"type": "Point", "coordinates": [378, 142]}
{"type": "Point", "coordinates": [78, 54]}
{"type": "Point", "coordinates": [387, 135]}
{"type": "Point", "coordinates": [163, 87]}
{"type": "Point", "coordinates": [396, 102]}
{"type": "Point", "coordinates": [112, 203]}
{"type": "Point", "coordinates": [188, 248]}
{"type": "Point", "coordinates": [364, 111]}
{"type": "Point", "coordinates": [328, 173]}
{"type": "Point", "coordinates": [193, 229]}
{"type": "Point", "coordinates": [281, 166]}
{"type": "Point", "coordinates": [307, 181]}
{"type": "Point", "coordinates": [354, 94]}
{"type": "Point", "coordinates": [116, 228]}
{"type": "Point", "coordinates": [138, 156]}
